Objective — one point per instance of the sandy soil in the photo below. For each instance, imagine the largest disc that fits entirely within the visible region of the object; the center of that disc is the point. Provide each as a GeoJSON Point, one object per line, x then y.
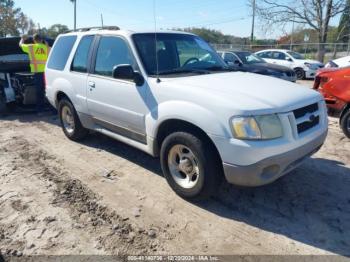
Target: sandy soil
{"type": "Point", "coordinates": [102, 197]}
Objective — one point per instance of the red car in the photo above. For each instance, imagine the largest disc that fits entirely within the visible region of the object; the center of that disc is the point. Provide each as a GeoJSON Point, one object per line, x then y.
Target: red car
{"type": "Point", "coordinates": [334, 85]}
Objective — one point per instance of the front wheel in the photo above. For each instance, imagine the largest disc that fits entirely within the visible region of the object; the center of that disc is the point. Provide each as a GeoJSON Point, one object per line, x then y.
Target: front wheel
{"type": "Point", "coordinates": [190, 166]}
{"type": "Point", "coordinates": [345, 123]}
{"type": "Point", "coordinates": [70, 122]}
{"type": "Point", "coordinates": [300, 73]}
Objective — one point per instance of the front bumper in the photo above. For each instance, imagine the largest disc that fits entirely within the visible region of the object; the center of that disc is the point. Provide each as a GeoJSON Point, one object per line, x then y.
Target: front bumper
{"type": "Point", "coordinates": [310, 73]}
{"type": "Point", "coordinates": [268, 170]}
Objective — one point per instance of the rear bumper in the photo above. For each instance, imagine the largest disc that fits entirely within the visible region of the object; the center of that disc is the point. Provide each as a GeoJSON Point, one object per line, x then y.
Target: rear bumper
{"type": "Point", "coordinates": [268, 170]}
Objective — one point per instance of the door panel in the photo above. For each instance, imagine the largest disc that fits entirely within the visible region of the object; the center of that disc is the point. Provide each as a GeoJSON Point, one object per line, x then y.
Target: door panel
{"type": "Point", "coordinates": [117, 105]}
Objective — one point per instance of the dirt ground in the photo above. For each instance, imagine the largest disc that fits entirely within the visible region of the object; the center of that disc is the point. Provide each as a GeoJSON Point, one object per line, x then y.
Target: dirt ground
{"type": "Point", "coordinates": [100, 196]}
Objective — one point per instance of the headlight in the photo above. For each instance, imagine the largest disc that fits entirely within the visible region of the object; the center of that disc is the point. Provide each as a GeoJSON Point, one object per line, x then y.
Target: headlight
{"type": "Point", "coordinates": [308, 65]}
{"type": "Point", "coordinates": [311, 66]}
{"type": "Point", "coordinates": [257, 127]}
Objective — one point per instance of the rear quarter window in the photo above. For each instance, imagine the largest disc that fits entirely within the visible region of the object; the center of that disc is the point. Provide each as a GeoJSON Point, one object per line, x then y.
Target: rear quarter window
{"type": "Point", "coordinates": [60, 52]}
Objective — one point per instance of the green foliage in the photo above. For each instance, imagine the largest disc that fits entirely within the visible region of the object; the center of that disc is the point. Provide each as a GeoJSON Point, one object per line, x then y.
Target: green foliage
{"type": "Point", "coordinates": [8, 18]}
{"type": "Point", "coordinates": [54, 30]}
{"type": "Point", "coordinates": [12, 20]}
{"type": "Point", "coordinates": [215, 36]}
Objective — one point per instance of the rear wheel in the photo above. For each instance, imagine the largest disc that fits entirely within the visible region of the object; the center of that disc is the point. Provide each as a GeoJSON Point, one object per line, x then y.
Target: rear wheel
{"type": "Point", "coordinates": [70, 122]}
{"type": "Point", "coordinates": [345, 123]}
{"type": "Point", "coordinates": [190, 166]}
{"type": "Point", "coordinates": [300, 73]}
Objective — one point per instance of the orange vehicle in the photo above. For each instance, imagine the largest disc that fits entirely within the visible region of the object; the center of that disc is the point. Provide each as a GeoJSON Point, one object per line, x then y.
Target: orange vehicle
{"type": "Point", "coordinates": [334, 85]}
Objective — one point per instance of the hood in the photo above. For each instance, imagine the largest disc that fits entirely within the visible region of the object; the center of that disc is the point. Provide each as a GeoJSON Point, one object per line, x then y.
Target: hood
{"type": "Point", "coordinates": [313, 62]}
{"type": "Point", "coordinates": [241, 92]}
{"type": "Point", "coordinates": [269, 66]}
{"type": "Point", "coordinates": [10, 46]}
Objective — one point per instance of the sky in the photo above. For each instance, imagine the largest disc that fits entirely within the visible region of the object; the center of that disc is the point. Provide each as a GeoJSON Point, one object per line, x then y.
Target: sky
{"type": "Point", "coordinates": [229, 16]}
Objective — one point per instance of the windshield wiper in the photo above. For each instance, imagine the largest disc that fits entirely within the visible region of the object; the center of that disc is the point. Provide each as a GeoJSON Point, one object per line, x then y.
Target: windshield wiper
{"type": "Point", "coordinates": [184, 71]}
{"type": "Point", "coordinates": [220, 68]}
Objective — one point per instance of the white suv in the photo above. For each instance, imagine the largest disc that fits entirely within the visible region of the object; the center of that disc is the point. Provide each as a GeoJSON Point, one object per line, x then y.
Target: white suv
{"type": "Point", "coordinates": [177, 99]}
{"type": "Point", "coordinates": [303, 68]}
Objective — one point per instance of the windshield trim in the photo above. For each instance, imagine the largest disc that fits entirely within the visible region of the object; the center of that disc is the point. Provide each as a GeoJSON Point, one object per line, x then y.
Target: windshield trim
{"type": "Point", "coordinates": [260, 60]}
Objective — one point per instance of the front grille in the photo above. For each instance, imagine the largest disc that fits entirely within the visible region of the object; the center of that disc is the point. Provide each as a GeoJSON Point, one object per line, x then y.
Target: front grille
{"type": "Point", "coordinates": [307, 117]}
{"type": "Point", "coordinates": [302, 127]}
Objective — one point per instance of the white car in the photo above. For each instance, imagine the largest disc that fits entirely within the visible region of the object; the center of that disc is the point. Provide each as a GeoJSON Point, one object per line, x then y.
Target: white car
{"type": "Point", "coordinates": [340, 62]}
{"type": "Point", "coordinates": [303, 68]}
{"type": "Point", "coordinates": [203, 120]}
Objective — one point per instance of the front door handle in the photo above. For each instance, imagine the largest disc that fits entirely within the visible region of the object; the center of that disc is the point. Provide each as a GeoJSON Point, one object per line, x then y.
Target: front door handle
{"type": "Point", "coordinates": [92, 84]}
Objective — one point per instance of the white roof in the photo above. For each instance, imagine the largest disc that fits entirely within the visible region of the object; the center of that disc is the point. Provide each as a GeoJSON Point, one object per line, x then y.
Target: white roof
{"type": "Point", "coordinates": [271, 50]}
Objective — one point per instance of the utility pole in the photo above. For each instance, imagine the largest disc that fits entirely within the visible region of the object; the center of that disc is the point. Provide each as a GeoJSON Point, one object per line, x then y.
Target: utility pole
{"type": "Point", "coordinates": [291, 37]}
{"type": "Point", "coordinates": [253, 23]}
{"type": "Point", "coordinates": [75, 14]}
{"type": "Point", "coordinates": [102, 20]}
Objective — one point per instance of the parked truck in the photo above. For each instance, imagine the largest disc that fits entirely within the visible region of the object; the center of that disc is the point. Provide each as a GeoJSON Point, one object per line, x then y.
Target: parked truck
{"type": "Point", "coordinates": [17, 87]}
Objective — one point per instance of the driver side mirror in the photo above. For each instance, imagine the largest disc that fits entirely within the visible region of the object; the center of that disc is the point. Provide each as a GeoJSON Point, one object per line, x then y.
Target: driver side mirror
{"type": "Point", "coordinates": [126, 72]}
{"type": "Point", "coordinates": [289, 59]}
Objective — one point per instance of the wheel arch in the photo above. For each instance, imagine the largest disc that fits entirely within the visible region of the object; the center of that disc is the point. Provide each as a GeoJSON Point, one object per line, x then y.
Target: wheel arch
{"type": "Point", "coordinates": [343, 112]}
{"type": "Point", "coordinates": [59, 96]}
{"type": "Point", "coordinates": [178, 125]}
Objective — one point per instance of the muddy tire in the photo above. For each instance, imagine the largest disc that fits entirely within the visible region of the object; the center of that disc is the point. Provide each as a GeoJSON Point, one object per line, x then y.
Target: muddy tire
{"type": "Point", "coordinates": [300, 73]}
{"type": "Point", "coordinates": [191, 167]}
{"type": "Point", "coordinates": [70, 122]}
{"type": "Point", "coordinates": [345, 123]}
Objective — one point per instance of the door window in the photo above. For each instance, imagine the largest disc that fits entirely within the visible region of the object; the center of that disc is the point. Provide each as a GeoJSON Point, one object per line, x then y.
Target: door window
{"type": "Point", "coordinates": [112, 51]}
{"type": "Point", "coordinates": [228, 57]}
{"type": "Point", "coordinates": [60, 53]}
{"type": "Point", "coordinates": [81, 57]}
{"type": "Point", "coordinates": [265, 55]}
{"type": "Point", "coordinates": [279, 56]}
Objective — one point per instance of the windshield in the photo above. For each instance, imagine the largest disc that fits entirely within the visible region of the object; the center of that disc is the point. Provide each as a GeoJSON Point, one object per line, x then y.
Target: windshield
{"type": "Point", "coordinates": [296, 55]}
{"type": "Point", "coordinates": [249, 58]}
{"type": "Point", "coordinates": [176, 54]}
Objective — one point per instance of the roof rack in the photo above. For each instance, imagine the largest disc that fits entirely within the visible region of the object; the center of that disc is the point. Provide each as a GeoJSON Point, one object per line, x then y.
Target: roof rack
{"type": "Point", "coordinates": [86, 29]}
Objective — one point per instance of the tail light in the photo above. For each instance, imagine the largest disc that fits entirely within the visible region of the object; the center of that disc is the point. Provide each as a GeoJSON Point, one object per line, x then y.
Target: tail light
{"type": "Point", "coordinates": [45, 83]}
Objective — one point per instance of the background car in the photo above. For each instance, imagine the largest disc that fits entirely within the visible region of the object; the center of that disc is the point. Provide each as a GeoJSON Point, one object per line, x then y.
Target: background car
{"type": "Point", "coordinates": [340, 62]}
{"type": "Point", "coordinates": [303, 68]}
{"type": "Point", "coordinates": [249, 62]}
{"type": "Point", "coordinates": [334, 85]}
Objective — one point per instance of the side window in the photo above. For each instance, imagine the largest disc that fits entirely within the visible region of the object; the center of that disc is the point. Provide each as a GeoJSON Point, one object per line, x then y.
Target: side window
{"type": "Point", "coordinates": [112, 51]}
{"type": "Point", "coordinates": [60, 52]}
{"type": "Point", "coordinates": [81, 57]}
{"type": "Point", "coordinates": [228, 57]}
{"type": "Point", "coordinates": [279, 55]}
{"type": "Point", "coordinates": [262, 55]}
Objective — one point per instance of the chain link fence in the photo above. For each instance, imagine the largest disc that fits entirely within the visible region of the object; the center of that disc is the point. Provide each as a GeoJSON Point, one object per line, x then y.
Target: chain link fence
{"type": "Point", "coordinates": [332, 50]}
